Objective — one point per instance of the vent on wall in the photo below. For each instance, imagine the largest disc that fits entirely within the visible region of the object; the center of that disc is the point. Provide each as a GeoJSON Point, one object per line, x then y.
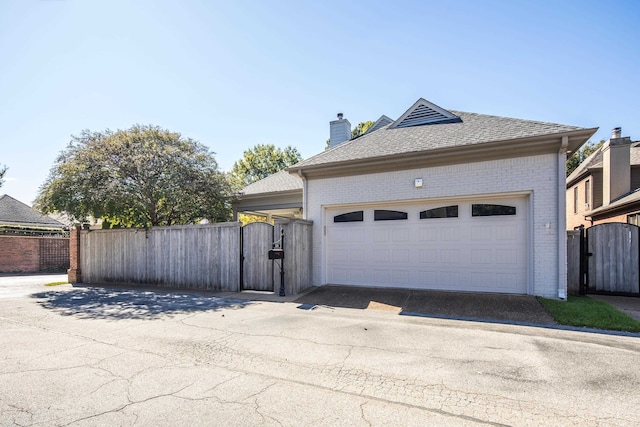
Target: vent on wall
{"type": "Point", "coordinates": [424, 112]}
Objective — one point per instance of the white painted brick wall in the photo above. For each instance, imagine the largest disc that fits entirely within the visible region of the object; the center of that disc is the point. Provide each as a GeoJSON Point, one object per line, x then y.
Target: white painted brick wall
{"type": "Point", "coordinates": [536, 174]}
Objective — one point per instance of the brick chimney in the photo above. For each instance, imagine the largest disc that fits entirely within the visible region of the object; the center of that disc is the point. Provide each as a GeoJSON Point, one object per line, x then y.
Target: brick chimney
{"type": "Point", "coordinates": [616, 169]}
{"type": "Point", "coordinates": [339, 131]}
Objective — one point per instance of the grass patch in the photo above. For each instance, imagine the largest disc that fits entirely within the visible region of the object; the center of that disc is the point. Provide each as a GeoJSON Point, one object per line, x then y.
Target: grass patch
{"type": "Point", "coordinates": [56, 283]}
{"type": "Point", "coordinates": [587, 312]}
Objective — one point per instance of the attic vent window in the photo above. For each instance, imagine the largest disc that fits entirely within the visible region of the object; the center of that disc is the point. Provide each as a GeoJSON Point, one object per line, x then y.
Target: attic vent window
{"type": "Point", "coordinates": [424, 112]}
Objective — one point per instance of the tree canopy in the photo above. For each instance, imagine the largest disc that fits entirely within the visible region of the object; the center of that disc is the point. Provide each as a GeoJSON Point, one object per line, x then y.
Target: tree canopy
{"type": "Point", "coordinates": [3, 170]}
{"type": "Point", "coordinates": [261, 161]}
{"type": "Point", "coordinates": [139, 177]}
{"type": "Point", "coordinates": [579, 156]}
{"type": "Point", "coordinates": [361, 128]}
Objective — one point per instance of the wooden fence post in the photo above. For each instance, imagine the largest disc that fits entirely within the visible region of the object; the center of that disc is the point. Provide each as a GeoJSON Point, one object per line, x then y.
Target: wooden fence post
{"type": "Point", "coordinates": [74, 273]}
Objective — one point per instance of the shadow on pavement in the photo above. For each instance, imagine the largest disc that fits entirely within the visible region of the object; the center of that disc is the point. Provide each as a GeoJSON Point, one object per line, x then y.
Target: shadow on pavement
{"type": "Point", "coordinates": [110, 303]}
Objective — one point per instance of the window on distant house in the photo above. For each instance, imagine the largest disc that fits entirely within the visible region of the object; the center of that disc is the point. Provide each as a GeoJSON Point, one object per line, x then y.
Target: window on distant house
{"type": "Point", "coordinates": [587, 195]}
{"type": "Point", "coordinates": [575, 199]}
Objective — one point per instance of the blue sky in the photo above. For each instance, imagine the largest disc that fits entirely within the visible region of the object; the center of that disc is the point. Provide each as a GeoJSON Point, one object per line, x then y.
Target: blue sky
{"type": "Point", "coordinates": [232, 74]}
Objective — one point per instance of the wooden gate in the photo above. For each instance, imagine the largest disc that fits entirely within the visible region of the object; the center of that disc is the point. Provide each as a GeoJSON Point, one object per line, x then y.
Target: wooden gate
{"type": "Point", "coordinates": [613, 265]}
{"type": "Point", "coordinates": [256, 268]}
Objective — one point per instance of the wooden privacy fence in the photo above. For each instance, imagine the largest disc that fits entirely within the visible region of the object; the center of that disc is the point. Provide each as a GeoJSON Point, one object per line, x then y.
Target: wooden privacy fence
{"type": "Point", "coordinates": [604, 259]}
{"type": "Point", "coordinates": [199, 257]}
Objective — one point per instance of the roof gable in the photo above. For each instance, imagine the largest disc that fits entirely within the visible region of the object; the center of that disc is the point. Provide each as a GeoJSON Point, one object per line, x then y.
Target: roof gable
{"type": "Point", "coordinates": [379, 124]}
{"type": "Point", "coordinates": [423, 112]}
{"type": "Point", "coordinates": [14, 212]}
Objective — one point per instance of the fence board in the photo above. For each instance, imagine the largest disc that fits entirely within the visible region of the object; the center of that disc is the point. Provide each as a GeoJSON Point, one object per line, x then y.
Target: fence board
{"type": "Point", "coordinates": [203, 257]}
{"type": "Point", "coordinates": [257, 268]}
{"type": "Point", "coordinates": [297, 246]}
{"type": "Point", "coordinates": [193, 257]}
{"type": "Point", "coordinates": [614, 266]}
{"type": "Point", "coordinates": [573, 262]}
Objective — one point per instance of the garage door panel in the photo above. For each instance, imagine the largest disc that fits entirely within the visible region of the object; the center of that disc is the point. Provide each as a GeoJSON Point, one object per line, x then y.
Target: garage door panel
{"type": "Point", "coordinates": [400, 256]}
{"type": "Point", "coordinates": [485, 233]}
{"type": "Point", "coordinates": [401, 235]}
{"type": "Point", "coordinates": [508, 256]}
{"type": "Point", "coordinates": [449, 256]}
{"type": "Point", "coordinates": [482, 253]}
{"type": "Point", "coordinates": [483, 256]}
{"type": "Point", "coordinates": [356, 236]}
{"type": "Point", "coordinates": [428, 235]}
{"type": "Point", "coordinates": [428, 256]}
{"type": "Point", "coordinates": [507, 232]}
{"type": "Point", "coordinates": [449, 234]}
{"type": "Point", "coordinates": [380, 236]}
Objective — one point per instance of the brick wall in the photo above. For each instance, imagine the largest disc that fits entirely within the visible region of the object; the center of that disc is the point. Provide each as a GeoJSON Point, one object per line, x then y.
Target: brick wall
{"type": "Point", "coordinates": [535, 174]}
{"type": "Point", "coordinates": [33, 254]}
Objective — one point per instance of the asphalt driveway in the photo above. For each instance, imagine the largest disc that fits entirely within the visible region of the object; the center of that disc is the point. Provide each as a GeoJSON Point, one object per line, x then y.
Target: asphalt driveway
{"type": "Point", "coordinates": [451, 305]}
{"type": "Point", "coordinates": [87, 356]}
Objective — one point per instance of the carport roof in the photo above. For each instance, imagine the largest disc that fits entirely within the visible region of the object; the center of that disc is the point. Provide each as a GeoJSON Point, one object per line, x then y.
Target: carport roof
{"type": "Point", "coordinates": [278, 182]}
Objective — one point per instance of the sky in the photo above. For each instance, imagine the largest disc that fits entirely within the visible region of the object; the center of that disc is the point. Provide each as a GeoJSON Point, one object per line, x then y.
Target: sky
{"type": "Point", "coordinates": [233, 74]}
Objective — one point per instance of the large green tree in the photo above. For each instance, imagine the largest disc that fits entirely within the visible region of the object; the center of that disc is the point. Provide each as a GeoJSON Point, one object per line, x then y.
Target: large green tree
{"type": "Point", "coordinates": [579, 156]}
{"type": "Point", "coordinates": [261, 161]}
{"type": "Point", "coordinates": [139, 177]}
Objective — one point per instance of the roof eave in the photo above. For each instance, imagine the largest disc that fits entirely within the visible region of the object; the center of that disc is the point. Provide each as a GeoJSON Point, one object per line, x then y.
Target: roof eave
{"type": "Point", "coordinates": [461, 154]}
{"type": "Point", "coordinates": [269, 194]}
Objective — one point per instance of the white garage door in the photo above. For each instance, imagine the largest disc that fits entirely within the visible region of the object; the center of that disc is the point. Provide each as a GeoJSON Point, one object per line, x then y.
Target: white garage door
{"type": "Point", "coordinates": [477, 245]}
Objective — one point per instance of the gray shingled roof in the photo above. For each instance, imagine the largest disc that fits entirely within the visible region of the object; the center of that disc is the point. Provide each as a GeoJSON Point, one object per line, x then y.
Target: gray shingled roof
{"type": "Point", "coordinates": [278, 182]}
{"type": "Point", "coordinates": [630, 198]}
{"type": "Point", "coordinates": [595, 161]}
{"type": "Point", "coordinates": [14, 212]}
{"type": "Point", "coordinates": [474, 129]}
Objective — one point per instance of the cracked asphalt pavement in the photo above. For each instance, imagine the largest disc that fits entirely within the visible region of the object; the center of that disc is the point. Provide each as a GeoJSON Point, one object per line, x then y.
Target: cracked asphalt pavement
{"type": "Point", "coordinates": [91, 356]}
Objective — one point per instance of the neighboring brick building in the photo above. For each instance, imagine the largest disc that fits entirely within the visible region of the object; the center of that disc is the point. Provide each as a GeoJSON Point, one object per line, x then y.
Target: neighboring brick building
{"type": "Point", "coordinates": [605, 187]}
{"type": "Point", "coordinates": [29, 241]}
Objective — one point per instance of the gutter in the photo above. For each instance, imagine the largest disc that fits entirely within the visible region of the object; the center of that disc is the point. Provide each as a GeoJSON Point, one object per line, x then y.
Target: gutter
{"type": "Point", "coordinates": [304, 193]}
{"type": "Point", "coordinates": [562, 219]}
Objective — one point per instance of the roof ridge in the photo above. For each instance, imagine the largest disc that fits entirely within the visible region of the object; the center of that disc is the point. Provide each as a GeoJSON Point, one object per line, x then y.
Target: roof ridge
{"type": "Point", "coordinates": [540, 122]}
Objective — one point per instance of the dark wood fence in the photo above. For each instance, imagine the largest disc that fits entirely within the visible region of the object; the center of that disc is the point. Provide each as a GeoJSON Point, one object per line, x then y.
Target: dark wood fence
{"type": "Point", "coordinates": [604, 259]}
{"type": "Point", "coordinates": [613, 265]}
{"type": "Point", "coordinates": [574, 255]}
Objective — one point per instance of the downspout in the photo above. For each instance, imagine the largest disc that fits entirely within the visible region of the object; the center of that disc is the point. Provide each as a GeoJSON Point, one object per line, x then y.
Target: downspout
{"type": "Point", "coordinates": [562, 219]}
{"type": "Point", "coordinates": [304, 193]}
